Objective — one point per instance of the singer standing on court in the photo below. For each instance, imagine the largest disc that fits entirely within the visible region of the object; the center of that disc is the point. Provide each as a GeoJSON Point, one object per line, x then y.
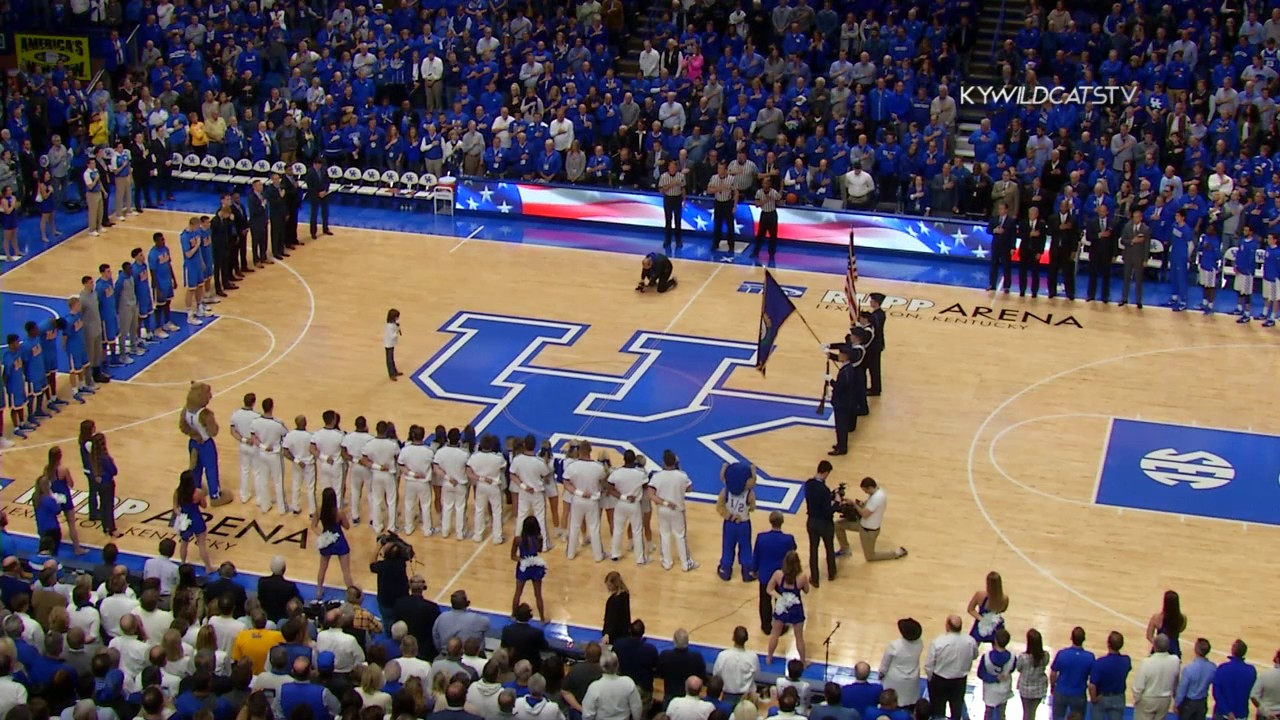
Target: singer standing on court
{"type": "Point", "coordinates": [771, 548]}
{"type": "Point", "coordinates": [724, 188]}
{"type": "Point", "coordinates": [672, 186]}
{"type": "Point", "coordinates": [848, 401]}
{"type": "Point", "coordinates": [821, 524]}
{"type": "Point", "coordinates": [318, 195]}
{"type": "Point", "coordinates": [390, 339]}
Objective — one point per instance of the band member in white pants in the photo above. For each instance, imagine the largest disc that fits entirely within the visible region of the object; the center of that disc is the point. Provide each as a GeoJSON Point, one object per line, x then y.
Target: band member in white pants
{"type": "Point", "coordinates": [326, 447]}
{"type": "Point", "coordinates": [297, 450]}
{"type": "Point", "coordinates": [267, 434]}
{"type": "Point", "coordinates": [584, 482]}
{"type": "Point", "coordinates": [241, 420]}
{"type": "Point", "coordinates": [529, 473]}
{"type": "Point", "coordinates": [487, 471]}
{"type": "Point", "coordinates": [358, 474]}
{"type": "Point", "coordinates": [379, 455]}
{"type": "Point", "coordinates": [415, 469]}
{"type": "Point", "coordinates": [451, 470]}
{"type": "Point", "coordinates": [667, 490]}
{"type": "Point", "coordinates": [628, 485]}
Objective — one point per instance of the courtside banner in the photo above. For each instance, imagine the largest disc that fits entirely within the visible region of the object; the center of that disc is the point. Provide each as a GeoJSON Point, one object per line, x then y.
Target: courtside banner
{"type": "Point", "coordinates": [46, 51]}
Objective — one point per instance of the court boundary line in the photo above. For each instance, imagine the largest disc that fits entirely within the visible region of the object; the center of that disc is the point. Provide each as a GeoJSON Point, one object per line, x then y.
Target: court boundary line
{"type": "Point", "coordinates": [982, 427]}
{"type": "Point", "coordinates": [271, 337]}
{"type": "Point", "coordinates": [302, 335]}
{"type": "Point", "coordinates": [38, 306]}
{"type": "Point", "coordinates": [1102, 461]}
{"type": "Point", "coordinates": [472, 236]}
{"type": "Point", "coordinates": [991, 456]}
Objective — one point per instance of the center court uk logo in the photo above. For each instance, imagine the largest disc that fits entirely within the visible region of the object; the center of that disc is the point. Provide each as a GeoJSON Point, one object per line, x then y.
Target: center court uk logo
{"type": "Point", "coordinates": [1198, 470]}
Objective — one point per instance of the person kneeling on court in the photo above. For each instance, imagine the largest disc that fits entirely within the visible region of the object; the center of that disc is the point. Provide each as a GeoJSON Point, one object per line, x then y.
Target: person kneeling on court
{"type": "Point", "coordinates": [655, 272]}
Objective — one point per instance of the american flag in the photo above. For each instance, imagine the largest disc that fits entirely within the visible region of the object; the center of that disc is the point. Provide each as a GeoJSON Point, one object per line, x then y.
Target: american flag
{"type": "Point", "coordinates": [851, 284]}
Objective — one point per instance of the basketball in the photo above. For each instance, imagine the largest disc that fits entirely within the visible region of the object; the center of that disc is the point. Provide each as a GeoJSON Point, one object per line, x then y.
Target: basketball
{"type": "Point", "coordinates": [792, 199]}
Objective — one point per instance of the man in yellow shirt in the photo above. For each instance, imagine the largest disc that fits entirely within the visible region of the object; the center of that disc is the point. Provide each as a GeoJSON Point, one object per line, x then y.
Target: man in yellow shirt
{"type": "Point", "coordinates": [255, 643]}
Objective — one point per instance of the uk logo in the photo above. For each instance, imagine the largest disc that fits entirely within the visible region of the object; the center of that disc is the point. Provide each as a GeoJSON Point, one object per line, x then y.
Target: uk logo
{"type": "Point", "coordinates": [674, 395]}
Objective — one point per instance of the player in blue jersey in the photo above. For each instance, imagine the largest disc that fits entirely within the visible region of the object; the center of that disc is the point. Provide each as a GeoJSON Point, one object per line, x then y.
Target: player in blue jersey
{"type": "Point", "coordinates": [105, 288]}
{"type": "Point", "coordinates": [33, 368]}
{"type": "Point", "coordinates": [163, 283]}
{"type": "Point", "coordinates": [72, 328]}
{"type": "Point", "coordinates": [1271, 281]}
{"type": "Point", "coordinates": [15, 386]}
{"type": "Point", "coordinates": [142, 291]}
{"type": "Point", "coordinates": [1180, 238]}
{"type": "Point", "coordinates": [49, 351]}
{"type": "Point", "coordinates": [1209, 252]}
{"type": "Point", "coordinates": [1246, 267]}
{"type": "Point", "coordinates": [193, 271]}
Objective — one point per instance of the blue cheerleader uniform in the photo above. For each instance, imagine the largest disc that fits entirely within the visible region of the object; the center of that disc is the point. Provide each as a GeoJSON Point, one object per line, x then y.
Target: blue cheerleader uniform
{"type": "Point", "coordinates": [531, 567]}
{"type": "Point", "coordinates": [984, 629]}
{"type": "Point", "coordinates": [788, 607]}
{"type": "Point", "coordinates": [189, 522]}
{"type": "Point", "coordinates": [62, 493]}
{"type": "Point", "coordinates": [334, 541]}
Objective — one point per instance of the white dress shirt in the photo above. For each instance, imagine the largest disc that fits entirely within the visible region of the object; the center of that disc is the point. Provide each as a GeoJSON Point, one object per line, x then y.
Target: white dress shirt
{"type": "Point", "coordinates": [112, 609]}
{"type": "Point", "coordinates": [154, 623]}
{"type": "Point", "coordinates": [1156, 677]}
{"type": "Point", "coordinates": [737, 667]}
{"type": "Point", "coordinates": [951, 656]}
{"type": "Point", "coordinates": [689, 708]}
{"type": "Point", "coordinates": [133, 654]}
{"type": "Point", "coordinates": [347, 653]}
{"type": "Point", "coordinates": [225, 629]}
{"type": "Point", "coordinates": [165, 569]}
{"type": "Point", "coordinates": [87, 619]}
{"type": "Point", "coordinates": [875, 504]}
{"type": "Point", "coordinates": [612, 697]}
{"type": "Point", "coordinates": [12, 695]}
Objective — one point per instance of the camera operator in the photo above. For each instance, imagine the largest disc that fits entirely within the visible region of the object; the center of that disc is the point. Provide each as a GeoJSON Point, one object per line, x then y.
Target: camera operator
{"type": "Point", "coordinates": [391, 566]}
{"type": "Point", "coordinates": [655, 272]}
{"type": "Point", "coordinates": [819, 502]}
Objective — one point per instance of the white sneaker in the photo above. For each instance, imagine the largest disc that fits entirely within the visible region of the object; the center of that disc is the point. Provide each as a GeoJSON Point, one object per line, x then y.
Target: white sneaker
{"type": "Point", "coordinates": [161, 333]}
{"type": "Point", "coordinates": [499, 541]}
{"type": "Point", "coordinates": [139, 351]}
{"type": "Point", "coordinates": [691, 566]}
{"type": "Point", "coordinates": [94, 233]}
{"type": "Point", "coordinates": [128, 360]}
{"type": "Point", "coordinates": [172, 327]}
{"type": "Point", "coordinates": [5, 443]}
{"type": "Point", "coordinates": [194, 320]}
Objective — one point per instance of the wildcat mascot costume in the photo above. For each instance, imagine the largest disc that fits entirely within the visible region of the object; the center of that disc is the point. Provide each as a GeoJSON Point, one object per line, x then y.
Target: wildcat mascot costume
{"type": "Point", "coordinates": [200, 426]}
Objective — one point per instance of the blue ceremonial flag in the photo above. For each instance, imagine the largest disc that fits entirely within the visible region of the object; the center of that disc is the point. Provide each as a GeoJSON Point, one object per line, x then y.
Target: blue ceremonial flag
{"type": "Point", "coordinates": [775, 308]}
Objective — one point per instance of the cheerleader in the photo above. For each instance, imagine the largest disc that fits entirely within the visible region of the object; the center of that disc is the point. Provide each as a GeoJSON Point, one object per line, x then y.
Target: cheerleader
{"type": "Point", "coordinates": [529, 566]}
{"type": "Point", "coordinates": [188, 519]}
{"type": "Point", "coordinates": [61, 484]}
{"type": "Point", "coordinates": [45, 205]}
{"type": "Point", "coordinates": [987, 608]}
{"type": "Point", "coordinates": [104, 471]}
{"type": "Point", "coordinates": [47, 511]}
{"type": "Point", "coordinates": [332, 542]}
{"type": "Point", "coordinates": [9, 223]}
{"type": "Point", "coordinates": [787, 587]}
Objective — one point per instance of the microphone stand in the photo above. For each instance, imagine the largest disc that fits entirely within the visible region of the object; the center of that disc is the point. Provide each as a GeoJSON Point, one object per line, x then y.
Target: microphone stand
{"type": "Point", "coordinates": [826, 644]}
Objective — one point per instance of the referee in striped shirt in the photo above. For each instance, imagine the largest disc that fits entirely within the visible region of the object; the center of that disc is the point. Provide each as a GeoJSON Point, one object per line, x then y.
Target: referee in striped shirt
{"type": "Point", "coordinates": [724, 189]}
{"type": "Point", "coordinates": [768, 199]}
{"type": "Point", "coordinates": [672, 184]}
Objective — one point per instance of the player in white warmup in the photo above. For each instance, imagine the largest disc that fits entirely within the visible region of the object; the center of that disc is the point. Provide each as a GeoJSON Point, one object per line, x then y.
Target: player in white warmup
{"type": "Point", "coordinates": [667, 490]}
{"type": "Point", "coordinates": [358, 474]}
{"type": "Point", "coordinates": [379, 455]}
{"type": "Point", "coordinates": [267, 433]}
{"type": "Point", "coordinates": [451, 470]}
{"type": "Point", "coordinates": [529, 475]}
{"type": "Point", "coordinates": [584, 480]}
{"type": "Point", "coordinates": [326, 447]}
{"type": "Point", "coordinates": [415, 468]}
{"type": "Point", "coordinates": [302, 479]}
{"type": "Point", "coordinates": [241, 430]}
{"type": "Point", "coordinates": [628, 485]}
{"type": "Point", "coordinates": [487, 471]}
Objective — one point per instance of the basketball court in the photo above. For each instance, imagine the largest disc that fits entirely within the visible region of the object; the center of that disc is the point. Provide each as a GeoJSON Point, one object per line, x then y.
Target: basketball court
{"type": "Point", "coordinates": [1092, 455]}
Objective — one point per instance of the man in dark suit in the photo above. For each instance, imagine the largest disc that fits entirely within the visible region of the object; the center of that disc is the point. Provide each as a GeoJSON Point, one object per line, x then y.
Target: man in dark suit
{"type": "Point", "coordinates": [164, 171]}
{"type": "Point", "coordinates": [1064, 243]}
{"type": "Point", "coordinates": [771, 547]}
{"type": "Point", "coordinates": [144, 171]}
{"type": "Point", "coordinates": [1101, 232]}
{"type": "Point", "coordinates": [259, 214]}
{"type": "Point", "coordinates": [848, 399]}
{"type": "Point", "coordinates": [318, 195]}
{"type": "Point", "coordinates": [1032, 236]}
{"type": "Point", "coordinates": [819, 504]}
{"type": "Point", "coordinates": [677, 664]}
{"type": "Point", "coordinates": [292, 204]}
{"type": "Point", "coordinates": [275, 591]}
{"type": "Point", "coordinates": [225, 584]}
{"type": "Point", "coordinates": [222, 230]}
{"type": "Point", "coordinates": [420, 615]}
{"type": "Point", "coordinates": [277, 208]}
{"type": "Point", "coordinates": [875, 348]}
{"type": "Point", "coordinates": [523, 641]}
{"type": "Point", "coordinates": [240, 248]}
{"type": "Point", "coordinates": [1002, 231]}
{"type": "Point", "coordinates": [1135, 246]}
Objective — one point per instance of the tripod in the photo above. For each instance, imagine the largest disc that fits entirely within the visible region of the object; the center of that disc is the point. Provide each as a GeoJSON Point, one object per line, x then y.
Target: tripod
{"type": "Point", "coordinates": [826, 644]}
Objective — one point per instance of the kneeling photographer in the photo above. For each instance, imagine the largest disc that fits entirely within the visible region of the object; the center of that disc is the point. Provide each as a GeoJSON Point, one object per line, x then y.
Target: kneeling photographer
{"type": "Point", "coordinates": [655, 272]}
{"type": "Point", "coordinates": [391, 566]}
